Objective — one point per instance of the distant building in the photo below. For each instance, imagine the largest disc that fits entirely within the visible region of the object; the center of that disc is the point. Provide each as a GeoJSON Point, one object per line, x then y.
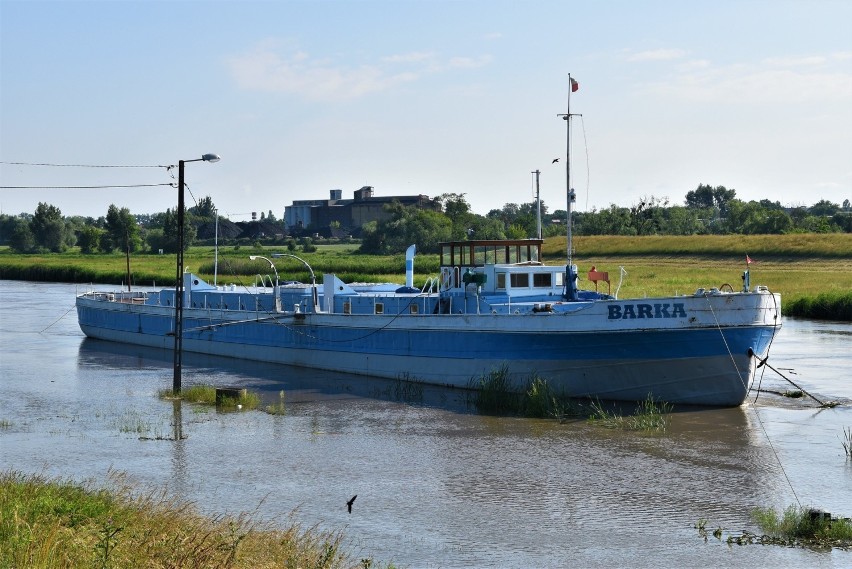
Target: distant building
{"type": "Point", "coordinates": [348, 216]}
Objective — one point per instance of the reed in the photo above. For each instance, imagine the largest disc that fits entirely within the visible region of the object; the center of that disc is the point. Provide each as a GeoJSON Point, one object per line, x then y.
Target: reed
{"type": "Point", "coordinates": [650, 416]}
{"type": "Point", "coordinates": [804, 525]}
{"type": "Point", "coordinates": [494, 393]}
{"type": "Point", "coordinates": [847, 441]}
{"type": "Point", "coordinates": [835, 305]}
{"type": "Point", "coordinates": [206, 395]}
{"type": "Point", "coordinates": [280, 407]}
{"type": "Point", "coordinates": [58, 524]}
{"type": "Point", "coordinates": [798, 245]}
{"type": "Point", "coordinates": [247, 401]}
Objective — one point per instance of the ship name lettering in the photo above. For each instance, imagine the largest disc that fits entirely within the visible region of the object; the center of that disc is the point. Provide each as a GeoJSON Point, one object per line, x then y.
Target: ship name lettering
{"type": "Point", "coordinates": [639, 310]}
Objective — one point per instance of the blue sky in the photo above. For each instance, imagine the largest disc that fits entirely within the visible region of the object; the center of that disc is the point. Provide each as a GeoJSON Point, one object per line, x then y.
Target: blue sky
{"type": "Point", "coordinates": [416, 97]}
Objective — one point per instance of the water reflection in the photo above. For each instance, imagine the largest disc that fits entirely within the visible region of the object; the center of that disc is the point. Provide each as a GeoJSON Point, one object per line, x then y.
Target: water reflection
{"type": "Point", "coordinates": [300, 385]}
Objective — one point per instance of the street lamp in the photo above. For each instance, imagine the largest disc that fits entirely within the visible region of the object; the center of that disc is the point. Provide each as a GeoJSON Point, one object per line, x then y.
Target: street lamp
{"type": "Point", "coordinates": [277, 298]}
{"type": "Point", "coordinates": [314, 298]}
{"type": "Point", "coordinates": [179, 282]}
{"type": "Point", "coordinates": [256, 257]}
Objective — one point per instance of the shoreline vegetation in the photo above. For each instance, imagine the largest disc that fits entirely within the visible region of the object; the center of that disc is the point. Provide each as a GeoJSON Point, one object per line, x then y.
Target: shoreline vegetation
{"type": "Point", "coordinates": [51, 523]}
{"type": "Point", "coordinates": [813, 272]}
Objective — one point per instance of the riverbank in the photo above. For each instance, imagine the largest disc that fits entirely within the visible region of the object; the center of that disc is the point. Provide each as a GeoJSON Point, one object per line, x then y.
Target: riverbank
{"type": "Point", "coordinates": [50, 523]}
{"type": "Point", "coordinates": [813, 273]}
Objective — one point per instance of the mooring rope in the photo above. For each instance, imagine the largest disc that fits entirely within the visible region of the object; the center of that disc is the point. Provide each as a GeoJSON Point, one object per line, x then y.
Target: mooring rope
{"type": "Point", "coordinates": [763, 362]}
{"type": "Point", "coordinates": [73, 306]}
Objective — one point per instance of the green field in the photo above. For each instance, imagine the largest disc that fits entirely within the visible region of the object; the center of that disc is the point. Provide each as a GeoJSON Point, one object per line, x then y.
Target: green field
{"type": "Point", "coordinates": [813, 272]}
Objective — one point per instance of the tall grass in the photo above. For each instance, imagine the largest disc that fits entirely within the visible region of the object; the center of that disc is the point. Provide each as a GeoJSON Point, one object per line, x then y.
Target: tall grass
{"type": "Point", "coordinates": [798, 524]}
{"type": "Point", "coordinates": [57, 524]}
{"type": "Point", "coordinates": [800, 245]}
{"type": "Point", "coordinates": [495, 393]}
{"type": "Point", "coordinates": [650, 415]}
{"type": "Point", "coordinates": [206, 395]}
{"type": "Point", "coordinates": [836, 305]}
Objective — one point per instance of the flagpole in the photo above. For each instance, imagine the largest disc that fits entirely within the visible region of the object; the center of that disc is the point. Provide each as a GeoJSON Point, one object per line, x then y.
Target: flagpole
{"type": "Point", "coordinates": [568, 173]}
{"type": "Point", "coordinates": [570, 272]}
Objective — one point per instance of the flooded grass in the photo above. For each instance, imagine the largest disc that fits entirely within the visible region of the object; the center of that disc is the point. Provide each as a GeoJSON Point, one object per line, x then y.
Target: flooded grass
{"type": "Point", "coordinates": [133, 422]}
{"type": "Point", "coordinates": [805, 526]}
{"type": "Point", "coordinates": [650, 415]}
{"type": "Point", "coordinates": [206, 395]}
{"type": "Point", "coordinates": [495, 393]}
{"type": "Point", "coordinates": [54, 524]}
{"type": "Point", "coordinates": [847, 441]}
{"type": "Point", "coordinates": [797, 526]}
{"type": "Point", "coordinates": [279, 407]}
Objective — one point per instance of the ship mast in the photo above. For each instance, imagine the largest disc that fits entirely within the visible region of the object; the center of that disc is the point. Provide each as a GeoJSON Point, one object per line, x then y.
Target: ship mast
{"type": "Point", "coordinates": [571, 273]}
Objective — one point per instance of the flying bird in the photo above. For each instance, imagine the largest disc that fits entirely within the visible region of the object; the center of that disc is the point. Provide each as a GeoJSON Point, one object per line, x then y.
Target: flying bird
{"type": "Point", "coordinates": [555, 160]}
{"type": "Point", "coordinates": [350, 502]}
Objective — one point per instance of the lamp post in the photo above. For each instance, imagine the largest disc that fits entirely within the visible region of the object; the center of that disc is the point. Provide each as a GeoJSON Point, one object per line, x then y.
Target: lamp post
{"type": "Point", "coordinates": [272, 266]}
{"type": "Point", "coordinates": [179, 283]}
{"type": "Point", "coordinates": [314, 298]}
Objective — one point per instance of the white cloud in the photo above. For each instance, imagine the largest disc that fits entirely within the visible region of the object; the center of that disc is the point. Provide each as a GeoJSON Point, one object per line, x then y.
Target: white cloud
{"type": "Point", "coordinates": [657, 55]}
{"type": "Point", "coordinates": [469, 62]}
{"type": "Point", "coordinates": [416, 56]}
{"type": "Point", "coordinates": [265, 69]}
{"type": "Point", "coordinates": [805, 61]}
{"type": "Point", "coordinates": [778, 80]}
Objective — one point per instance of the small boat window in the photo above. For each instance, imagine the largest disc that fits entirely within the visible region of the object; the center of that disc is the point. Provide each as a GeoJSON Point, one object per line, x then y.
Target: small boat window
{"type": "Point", "coordinates": [412, 309]}
{"type": "Point", "coordinates": [347, 308]}
{"type": "Point", "coordinates": [501, 281]}
{"type": "Point", "coordinates": [519, 280]}
{"type": "Point", "coordinates": [559, 278]}
{"type": "Point", "coordinates": [541, 280]}
{"type": "Point", "coordinates": [380, 308]}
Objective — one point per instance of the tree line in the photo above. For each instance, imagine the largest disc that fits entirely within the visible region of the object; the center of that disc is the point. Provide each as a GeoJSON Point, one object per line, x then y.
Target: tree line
{"type": "Point", "coordinates": [705, 210]}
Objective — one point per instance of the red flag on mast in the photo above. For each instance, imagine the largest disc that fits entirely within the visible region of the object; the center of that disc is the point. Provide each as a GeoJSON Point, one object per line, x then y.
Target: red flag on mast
{"type": "Point", "coordinates": [748, 260]}
{"type": "Point", "coordinates": [574, 85]}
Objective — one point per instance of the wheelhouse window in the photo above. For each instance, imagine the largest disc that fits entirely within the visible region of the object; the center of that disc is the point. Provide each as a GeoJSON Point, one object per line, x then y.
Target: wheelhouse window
{"type": "Point", "coordinates": [501, 281]}
{"type": "Point", "coordinates": [380, 308]}
{"type": "Point", "coordinates": [519, 280]}
{"type": "Point", "coordinates": [542, 280]}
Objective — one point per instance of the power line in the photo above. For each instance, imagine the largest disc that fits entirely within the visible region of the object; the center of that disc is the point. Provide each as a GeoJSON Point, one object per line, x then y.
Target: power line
{"type": "Point", "coordinates": [81, 187]}
{"type": "Point", "coordinates": [85, 165]}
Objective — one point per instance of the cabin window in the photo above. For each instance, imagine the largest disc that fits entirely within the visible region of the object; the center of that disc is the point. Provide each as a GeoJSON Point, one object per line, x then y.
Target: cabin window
{"type": "Point", "coordinates": [501, 281]}
{"type": "Point", "coordinates": [412, 309]}
{"type": "Point", "coordinates": [347, 308]}
{"type": "Point", "coordinates": [519, 280]}
{"type": "Point", "coordinates": [541, 280]}
{"type": "Point", "coordinates": [559, 278]}
{"type": "Point", "coordinates": [380, 308]}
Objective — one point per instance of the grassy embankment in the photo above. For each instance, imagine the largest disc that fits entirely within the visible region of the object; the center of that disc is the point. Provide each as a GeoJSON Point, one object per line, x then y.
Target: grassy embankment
{"type": "Point", "coordinates": [56, 524]}
{"type": "Point", "coordinates": [813, 272]}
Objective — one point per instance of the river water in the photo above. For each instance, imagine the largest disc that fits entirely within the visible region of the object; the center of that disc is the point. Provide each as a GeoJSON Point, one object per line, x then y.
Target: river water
{"type": "Point", "coordinates": [438, 485]}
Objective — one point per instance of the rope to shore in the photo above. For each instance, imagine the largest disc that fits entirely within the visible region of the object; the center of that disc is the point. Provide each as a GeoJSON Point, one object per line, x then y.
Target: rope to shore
{"type": "Point", "coordinates": [73, 306]}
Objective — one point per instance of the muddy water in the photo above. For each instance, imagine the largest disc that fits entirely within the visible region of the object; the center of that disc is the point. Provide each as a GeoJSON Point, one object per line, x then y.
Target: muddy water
{"type": "Point", "coordinates": [437, 484]}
